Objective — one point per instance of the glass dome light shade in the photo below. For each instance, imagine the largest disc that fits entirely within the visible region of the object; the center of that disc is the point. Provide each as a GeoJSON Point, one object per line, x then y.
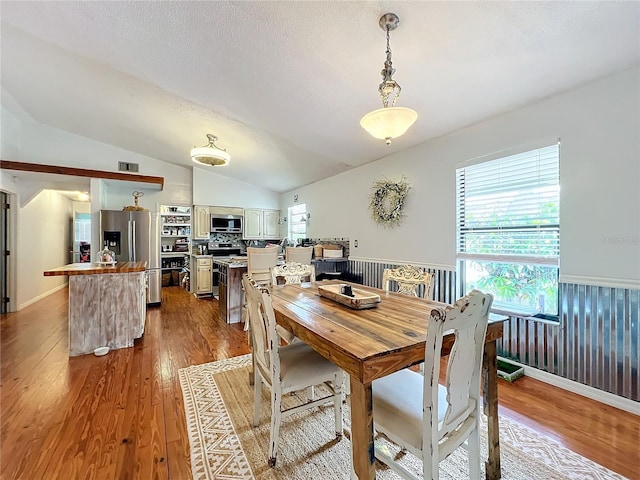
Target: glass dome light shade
{"type": "Point", "coordinates": [389, 122]}
{"type": "Point", "coordinates": [210, 156]}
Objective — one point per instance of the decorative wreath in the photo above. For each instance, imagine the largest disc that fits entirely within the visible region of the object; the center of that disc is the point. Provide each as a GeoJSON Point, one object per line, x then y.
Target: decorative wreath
{"type": "Point", "coordinates": [387, 201]}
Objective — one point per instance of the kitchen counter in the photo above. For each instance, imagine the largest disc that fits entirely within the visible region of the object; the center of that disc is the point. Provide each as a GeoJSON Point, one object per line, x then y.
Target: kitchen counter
{"type": "Point", "coordinates": [237, 261]}
{"type": "Point", "coordinates": [107, 304]}
{"type": "Point", "coordinates": [230, 262]}
{"type": "Point", "coordinates": [96, 269]}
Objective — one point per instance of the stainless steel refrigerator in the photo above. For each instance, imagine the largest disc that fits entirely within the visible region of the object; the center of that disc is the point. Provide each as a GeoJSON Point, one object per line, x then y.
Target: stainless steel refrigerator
{"type": "Point", "coordinates": [135, 237]}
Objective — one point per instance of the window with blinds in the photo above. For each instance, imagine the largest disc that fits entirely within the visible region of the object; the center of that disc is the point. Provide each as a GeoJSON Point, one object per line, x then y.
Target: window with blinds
{"type": "Point", "coordinates": [508, 230]}
{"type": "Point", "coordinates": [297, 229]}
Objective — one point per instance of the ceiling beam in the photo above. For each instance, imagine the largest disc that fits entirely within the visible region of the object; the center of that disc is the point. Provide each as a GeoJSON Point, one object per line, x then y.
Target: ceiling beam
{"type": "Point", "coordinates": [154, 182]}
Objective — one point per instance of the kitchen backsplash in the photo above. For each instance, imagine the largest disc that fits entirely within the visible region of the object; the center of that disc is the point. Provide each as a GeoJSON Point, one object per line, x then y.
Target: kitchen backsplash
{"type": "Point", "coordinates": [236, 239]}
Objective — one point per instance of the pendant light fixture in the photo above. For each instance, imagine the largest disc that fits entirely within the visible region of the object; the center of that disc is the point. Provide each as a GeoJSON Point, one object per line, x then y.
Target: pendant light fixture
{"type": "Point", "coordinates": [210, 155]}
{"type": "Point", "coordinates": [389, 121]}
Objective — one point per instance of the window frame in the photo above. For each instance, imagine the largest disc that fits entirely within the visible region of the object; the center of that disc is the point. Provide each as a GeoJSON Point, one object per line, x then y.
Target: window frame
{"type": "Point", "coordinates": [294, 211]}
{"type": "Point", "coordinates": [463, 230]}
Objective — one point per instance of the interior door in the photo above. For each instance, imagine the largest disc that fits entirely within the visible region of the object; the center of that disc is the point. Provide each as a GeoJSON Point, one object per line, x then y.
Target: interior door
{"type": "Point", "coordinates": [4, 252]}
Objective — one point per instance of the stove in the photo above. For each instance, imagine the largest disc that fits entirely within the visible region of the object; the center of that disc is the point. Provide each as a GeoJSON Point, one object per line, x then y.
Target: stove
{"type": "Point", "coordinates": [223, 249]}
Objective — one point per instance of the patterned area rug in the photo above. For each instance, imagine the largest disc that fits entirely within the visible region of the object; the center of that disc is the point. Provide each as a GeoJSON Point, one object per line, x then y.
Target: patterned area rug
{"type": "Point", "coordinates": [225, 446]}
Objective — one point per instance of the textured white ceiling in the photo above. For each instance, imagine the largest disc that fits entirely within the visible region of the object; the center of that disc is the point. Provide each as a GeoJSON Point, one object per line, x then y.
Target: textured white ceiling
{"type": "Point", "coordinates": [284, 84]}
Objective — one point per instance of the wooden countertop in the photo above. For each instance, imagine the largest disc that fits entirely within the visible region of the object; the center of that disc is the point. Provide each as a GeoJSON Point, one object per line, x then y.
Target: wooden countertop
{"type": "Point", "coordinates": [96, 268]}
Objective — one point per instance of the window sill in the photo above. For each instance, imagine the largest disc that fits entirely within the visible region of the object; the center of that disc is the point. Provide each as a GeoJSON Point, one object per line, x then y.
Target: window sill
{"type": "Point", "coordinates": [527, 314]}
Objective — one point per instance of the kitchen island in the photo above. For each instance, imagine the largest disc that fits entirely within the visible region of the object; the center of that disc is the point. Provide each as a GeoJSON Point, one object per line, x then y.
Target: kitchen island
{"type": "Point", "coordinates": [107, 304]}
{"type": "Point", "coordinates": [231, 296]}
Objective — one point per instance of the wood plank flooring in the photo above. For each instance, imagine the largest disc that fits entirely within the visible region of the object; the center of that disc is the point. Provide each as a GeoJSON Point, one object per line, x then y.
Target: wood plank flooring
{"type": "Point", "coordinates": [121, 416]}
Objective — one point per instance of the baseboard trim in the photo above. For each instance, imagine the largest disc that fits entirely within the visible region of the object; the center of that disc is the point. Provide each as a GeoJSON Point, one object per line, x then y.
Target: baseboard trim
{"type": "Point", "coordinates": [586, 391]}
{"type": "Point", "coordinates": [42, 295]}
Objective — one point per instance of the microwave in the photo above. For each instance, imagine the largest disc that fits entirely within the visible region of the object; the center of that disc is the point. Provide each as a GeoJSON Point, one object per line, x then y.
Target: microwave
{"type": "Point", "coordinates": [226, 223]}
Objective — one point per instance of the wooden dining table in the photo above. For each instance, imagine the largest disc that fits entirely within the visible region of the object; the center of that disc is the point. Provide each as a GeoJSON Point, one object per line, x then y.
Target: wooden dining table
{"type": "Point", "coordinates": [371, 343]}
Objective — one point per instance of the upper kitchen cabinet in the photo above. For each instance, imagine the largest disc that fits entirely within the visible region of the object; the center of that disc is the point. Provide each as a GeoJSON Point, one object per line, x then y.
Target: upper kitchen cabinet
{"type": "Point", "coordinates": [261, 224]}
{"type": "Point", "coordinates": [201, 220]}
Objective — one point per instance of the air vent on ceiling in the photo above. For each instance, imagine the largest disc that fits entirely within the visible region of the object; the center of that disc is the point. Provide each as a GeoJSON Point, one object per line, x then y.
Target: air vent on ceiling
{"type": "Point", "coordinates": [127, 167]}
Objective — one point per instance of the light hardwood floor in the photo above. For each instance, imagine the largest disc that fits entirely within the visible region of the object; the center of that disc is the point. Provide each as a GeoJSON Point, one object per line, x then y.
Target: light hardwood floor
{"type": "Point", "coordinates": [121, 416]}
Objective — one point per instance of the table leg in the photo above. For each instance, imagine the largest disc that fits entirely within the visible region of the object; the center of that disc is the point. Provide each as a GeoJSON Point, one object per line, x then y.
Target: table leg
{"type": "Point", "coordinates": [362, 448]}
{"type": "Point", "coordinates": [490, 400]}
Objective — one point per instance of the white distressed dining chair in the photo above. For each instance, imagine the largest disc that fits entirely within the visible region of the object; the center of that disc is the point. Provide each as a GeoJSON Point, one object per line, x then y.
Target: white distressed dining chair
{"type": "Point", "coordinates": [292, 273]}
{"type": "Point", "coordinates": [259, 263]}
{"type": "Point", "coordinates": [431, 420]}
{"type": "Point", "coordinates": [298, 255]}
{"type": "Point", "coordinates": [285, 368]}
{"type": "Point", "coordinates": [408, 278]}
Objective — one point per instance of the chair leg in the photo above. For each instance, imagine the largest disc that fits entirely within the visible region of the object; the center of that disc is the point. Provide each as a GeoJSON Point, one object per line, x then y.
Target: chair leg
{"type": "Point", "coordinates": [311, 393]}
{"type": "Point", "coordinates": [276, 417]}
{"type": "Point", "coordinates": [257, 397]}
{"type": "Point", "coordinates": [473, 449]}
{"type": "Point", "coordinates": [337, 402]}
{"type": "Point", "coordinates": [431, 465]}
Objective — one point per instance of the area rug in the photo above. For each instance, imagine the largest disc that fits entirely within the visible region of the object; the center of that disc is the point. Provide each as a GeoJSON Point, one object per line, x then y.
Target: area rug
{"type": "Point", "coordinates": [225, 446]}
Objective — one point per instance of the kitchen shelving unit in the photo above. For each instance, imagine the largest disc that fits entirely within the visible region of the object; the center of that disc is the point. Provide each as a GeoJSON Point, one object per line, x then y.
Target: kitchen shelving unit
{"type": "Point", "coordinates": [175, 240]}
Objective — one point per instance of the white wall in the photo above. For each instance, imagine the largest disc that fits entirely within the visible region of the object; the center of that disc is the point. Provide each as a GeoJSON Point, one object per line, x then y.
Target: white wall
{"type": "Point", "coordinates": [210, 188]}
{"type": "Point", "coordinates": [26, 141]}
{"type": "Point", "coordinates": [31, 142]}
{"type": "Point", "coordinates": [44, 242]}
{"type": "Point", "coordinates": [599, 128]}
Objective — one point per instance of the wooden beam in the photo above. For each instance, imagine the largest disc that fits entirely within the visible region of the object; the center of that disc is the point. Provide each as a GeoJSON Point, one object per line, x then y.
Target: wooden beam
{"type": "Point", "coordinates": [81, 172]}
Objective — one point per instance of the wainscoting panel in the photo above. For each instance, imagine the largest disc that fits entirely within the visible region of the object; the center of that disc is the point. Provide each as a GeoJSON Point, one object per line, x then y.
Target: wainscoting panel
{"type": "Point", "coordinates": [595, 342]}
{"type": "Point", "coordinates": [370, 273]}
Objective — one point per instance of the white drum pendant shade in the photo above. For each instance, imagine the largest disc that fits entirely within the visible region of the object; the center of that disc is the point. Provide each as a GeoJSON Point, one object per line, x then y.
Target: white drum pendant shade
{"type": "Point", "coordinates": [210, 156]}
{"type": "Point", "coordinates": [390, 122]}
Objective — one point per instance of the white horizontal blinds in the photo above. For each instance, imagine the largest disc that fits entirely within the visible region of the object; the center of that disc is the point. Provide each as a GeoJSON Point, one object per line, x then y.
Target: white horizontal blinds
{"type": "Point", "coordinates": [508, 209]}
{"type": "Point", "coordinates": [297, 223]}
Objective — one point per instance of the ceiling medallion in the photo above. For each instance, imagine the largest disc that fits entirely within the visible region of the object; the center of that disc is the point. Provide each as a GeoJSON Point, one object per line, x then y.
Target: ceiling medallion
{"type": "Point", "coordinates": [389, 121]}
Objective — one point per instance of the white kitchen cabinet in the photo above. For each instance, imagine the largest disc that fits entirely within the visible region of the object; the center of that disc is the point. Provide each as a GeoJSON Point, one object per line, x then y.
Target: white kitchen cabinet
{"type": "Point", "coordinates": [204, 285]}
{"type": "Point", "coordinates": [261, 224]}
{"type": "Point", "coordinates": [201, 222]}
{"type": "Point", "coordinates": [271, 226]}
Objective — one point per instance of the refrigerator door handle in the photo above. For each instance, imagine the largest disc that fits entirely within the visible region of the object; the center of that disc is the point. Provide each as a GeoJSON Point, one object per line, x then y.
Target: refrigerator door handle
{"type": "Point", "coordinates": [133, 241]}
{"type": "Point", "coordinates": [130, 252]}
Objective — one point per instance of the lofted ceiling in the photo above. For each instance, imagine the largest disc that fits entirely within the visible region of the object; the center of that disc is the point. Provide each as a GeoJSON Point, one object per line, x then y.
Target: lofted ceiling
{"type": "Point", "coordinates": [284, 84]}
